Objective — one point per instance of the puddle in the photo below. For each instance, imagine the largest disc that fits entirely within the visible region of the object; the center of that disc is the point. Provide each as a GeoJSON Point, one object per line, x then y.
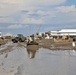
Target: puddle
{"type": "Point", "coordinates": [44, 62]}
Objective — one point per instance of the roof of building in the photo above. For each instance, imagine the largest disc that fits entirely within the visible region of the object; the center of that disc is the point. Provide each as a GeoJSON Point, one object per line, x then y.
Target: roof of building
{"type": "Point", "coordinates": [68, 30]}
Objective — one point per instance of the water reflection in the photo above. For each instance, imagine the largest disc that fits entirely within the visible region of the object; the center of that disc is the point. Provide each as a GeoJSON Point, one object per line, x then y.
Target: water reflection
{"type": "Point", "coordinates": [31, 50]}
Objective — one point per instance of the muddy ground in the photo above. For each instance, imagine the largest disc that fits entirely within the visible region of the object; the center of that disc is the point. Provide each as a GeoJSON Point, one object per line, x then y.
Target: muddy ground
{"type": "Point", "coordinates": [44, 43]}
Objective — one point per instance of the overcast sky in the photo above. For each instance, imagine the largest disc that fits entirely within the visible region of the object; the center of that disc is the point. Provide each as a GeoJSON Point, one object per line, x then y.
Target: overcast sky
{"type": "Point", "coordinates": [31, 16]}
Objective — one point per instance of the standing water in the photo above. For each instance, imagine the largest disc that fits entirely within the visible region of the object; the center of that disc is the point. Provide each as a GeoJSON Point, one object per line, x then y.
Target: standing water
{"type": "Point", "coordinates": [44, 62]}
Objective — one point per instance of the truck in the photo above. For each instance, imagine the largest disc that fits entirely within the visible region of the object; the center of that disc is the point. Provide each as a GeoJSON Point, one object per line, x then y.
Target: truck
{"type": "Point", "coordinates": [18, 38]}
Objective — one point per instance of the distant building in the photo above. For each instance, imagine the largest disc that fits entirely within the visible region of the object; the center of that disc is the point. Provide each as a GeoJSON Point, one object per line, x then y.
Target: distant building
{"type": "Point", "coordinates": [54, 33]}
{"type": "Point", "coordinates": [70, 32]}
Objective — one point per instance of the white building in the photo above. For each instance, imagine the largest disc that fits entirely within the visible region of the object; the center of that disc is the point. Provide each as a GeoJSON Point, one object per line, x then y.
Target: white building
{"type": "Point", "coordinates": [71, 32]}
